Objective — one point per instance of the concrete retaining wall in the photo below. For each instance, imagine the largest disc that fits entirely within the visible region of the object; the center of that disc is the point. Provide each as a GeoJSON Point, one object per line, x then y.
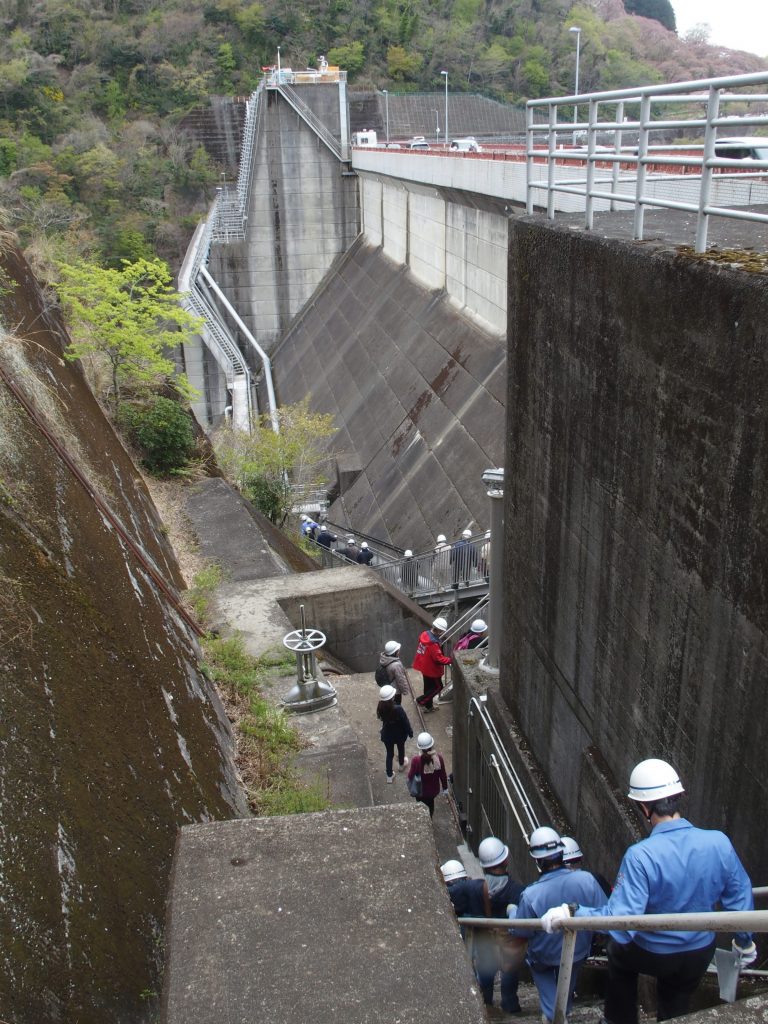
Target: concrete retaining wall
{"type": "Point", "coordinates": [636, 578]}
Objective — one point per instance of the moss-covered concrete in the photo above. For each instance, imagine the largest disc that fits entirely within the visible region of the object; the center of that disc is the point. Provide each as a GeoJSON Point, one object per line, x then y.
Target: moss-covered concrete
{"type": "Point", "coordinates": [110, 737]}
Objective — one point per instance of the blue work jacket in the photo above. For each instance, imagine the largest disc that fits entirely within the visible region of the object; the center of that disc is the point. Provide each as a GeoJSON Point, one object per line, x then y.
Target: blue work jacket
{"type": "Point", "coordinates": [553, 888]}
{"type": "Point", "coordinates": [678, 869]}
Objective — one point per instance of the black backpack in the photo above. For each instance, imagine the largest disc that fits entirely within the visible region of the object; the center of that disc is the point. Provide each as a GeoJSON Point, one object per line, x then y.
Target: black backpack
{"type": "Point", "coordinates": [381, 675]}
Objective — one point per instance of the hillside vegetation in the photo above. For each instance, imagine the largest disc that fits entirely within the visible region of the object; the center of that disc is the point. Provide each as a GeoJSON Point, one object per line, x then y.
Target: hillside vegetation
{"type": "Point", "coordinates": [93, 162]}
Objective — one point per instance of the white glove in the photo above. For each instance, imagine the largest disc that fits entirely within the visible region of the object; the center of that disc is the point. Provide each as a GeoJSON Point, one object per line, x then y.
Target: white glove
{"type": "Point", "coordinates": [747, 954]}
{"type": "Point", "coordinates": [553, 916]}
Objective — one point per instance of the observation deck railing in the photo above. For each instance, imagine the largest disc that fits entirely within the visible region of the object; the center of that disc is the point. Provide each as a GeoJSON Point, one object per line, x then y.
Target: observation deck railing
{"type": "Point", "coordinates": [725, 186]}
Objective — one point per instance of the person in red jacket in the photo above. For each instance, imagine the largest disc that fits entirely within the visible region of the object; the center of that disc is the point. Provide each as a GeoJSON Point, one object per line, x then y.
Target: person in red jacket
{"type": "Point", "coordinates": [431, 662]}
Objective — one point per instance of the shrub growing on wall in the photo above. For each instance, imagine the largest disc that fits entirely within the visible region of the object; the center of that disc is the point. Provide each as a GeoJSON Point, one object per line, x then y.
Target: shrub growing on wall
{"type": "Point", "coordinates": [162, 430]}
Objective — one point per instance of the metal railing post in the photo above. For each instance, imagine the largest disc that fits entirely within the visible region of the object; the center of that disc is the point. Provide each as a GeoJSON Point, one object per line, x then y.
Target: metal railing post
{"type": "Point", "coordinates": [564, 977]}
{"type": "Point", "coordinates": [551, 168]}
{"type": "Point", "coordinates": [710, 135]}
{"type": "Point", "coordinates": [591, 141]}
{"type": "Point", "coordinates": [642, 153]}
{"type": "Point", "coordinates": [494, 480]}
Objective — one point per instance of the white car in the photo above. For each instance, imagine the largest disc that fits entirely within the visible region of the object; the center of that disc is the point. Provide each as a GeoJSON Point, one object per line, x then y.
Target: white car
{"type": "Point", "coordinates": [744, 148]}
{"type": "Point", "coordinates": [468, 145]}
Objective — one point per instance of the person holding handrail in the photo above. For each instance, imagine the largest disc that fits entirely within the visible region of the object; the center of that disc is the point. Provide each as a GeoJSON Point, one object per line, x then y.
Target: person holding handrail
{"type": "Point", "coordinates": [557, 883]}
{"type": "Point", "coordinates": [431, 661]}
{"type": "Point", "coordinates": [678, 869]}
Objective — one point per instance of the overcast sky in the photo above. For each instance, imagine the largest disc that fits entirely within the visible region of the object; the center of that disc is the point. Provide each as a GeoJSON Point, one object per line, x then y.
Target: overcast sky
{"type": "Point", "coordinates": [738, 24]}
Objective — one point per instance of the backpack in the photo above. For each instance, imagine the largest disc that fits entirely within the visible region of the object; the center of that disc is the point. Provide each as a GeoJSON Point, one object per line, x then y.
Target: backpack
{"type": "Point", "coordinates": [463, 643]}
{"type": "Point", "coordinates": [381, 675]}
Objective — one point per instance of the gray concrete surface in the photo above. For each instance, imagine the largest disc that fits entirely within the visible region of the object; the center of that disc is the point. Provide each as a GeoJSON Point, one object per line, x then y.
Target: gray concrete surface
{"type": "Point", "coordinates": [636, 587]}
{"type": "Point", "coordinates": [228, 534]}
{"type": "Point", "coordinates": [417, 391]}
{"type": "Point", "coordinates": [340, 916]}
{"type": "Point", "coordinates": [675, 227]}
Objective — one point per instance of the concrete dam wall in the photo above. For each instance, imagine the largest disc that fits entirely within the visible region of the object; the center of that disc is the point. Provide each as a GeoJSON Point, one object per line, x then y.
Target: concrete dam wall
{"type": "Point", "coordinates": [302, 215]}
{"type": "Point", "coordinates": [111, 738]}
{"type": "Point", "coordinates": [417, 390]}
{"type": "Point", "coordinates": [636, 601]}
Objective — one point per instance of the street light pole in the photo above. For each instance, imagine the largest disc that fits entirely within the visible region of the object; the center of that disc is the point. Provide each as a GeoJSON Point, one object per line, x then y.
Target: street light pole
{"type": "Point", "coordinates": [386, 109]}
{"type": "Point", "coordinates": [577, 32]}
{"type": "Point", "coordinates": [445, 122]}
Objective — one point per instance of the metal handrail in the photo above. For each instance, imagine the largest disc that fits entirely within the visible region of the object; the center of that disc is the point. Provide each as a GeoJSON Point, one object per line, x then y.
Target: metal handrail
{"type": "Point", "coordinates": [711, 921]}
{"type": "Point", "coordinates": [709, 92]}
{"type": "Point", "coordinates": [507, 776]}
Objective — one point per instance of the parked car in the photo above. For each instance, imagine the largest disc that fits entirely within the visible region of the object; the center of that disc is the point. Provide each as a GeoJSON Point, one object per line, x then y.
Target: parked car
{"type": "Point", "coordinates": [418, 142]}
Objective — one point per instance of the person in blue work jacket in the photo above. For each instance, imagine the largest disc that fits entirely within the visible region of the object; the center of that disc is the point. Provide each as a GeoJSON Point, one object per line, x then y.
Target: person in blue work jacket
{"type": "Point", "coordinates": [557, 883]}
{"type": "Point", "coordinates": [678, 869]}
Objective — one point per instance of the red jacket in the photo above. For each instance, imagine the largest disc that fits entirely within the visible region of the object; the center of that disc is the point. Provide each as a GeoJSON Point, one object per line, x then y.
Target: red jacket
{"type": "Point", "coordinates": [429, 658]}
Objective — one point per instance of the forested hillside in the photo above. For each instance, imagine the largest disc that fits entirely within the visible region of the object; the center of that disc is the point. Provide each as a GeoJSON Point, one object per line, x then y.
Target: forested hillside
{"type": "Point", "coordinates": [93, 161]}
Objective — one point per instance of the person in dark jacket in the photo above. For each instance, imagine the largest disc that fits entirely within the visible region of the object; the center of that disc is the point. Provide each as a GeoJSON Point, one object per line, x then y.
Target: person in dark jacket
{"type": "Point", "coordinates": [350, 550]}
{"type": "Point", "coordinates": [431, 662]}
{"type": "Point", "coordinates": [431, 767]}
{"type": "Point", "coordinates": [463, 558]}
{"type": "Point", "coordinates": [324, 537]}
{"type": "Point", "coordinates": [469, 896]}
{"type": "Point", "coordinates": [389, 661]}
{"type": "Point", "coordinates": [365, 555]}
{"type": "Point", "coordinates": [504, 892]}
{"type": "Point", "coordinates": [395, 729]}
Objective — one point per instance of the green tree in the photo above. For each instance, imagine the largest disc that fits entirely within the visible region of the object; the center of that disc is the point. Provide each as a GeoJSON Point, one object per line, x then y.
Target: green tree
{"type": "Point", "coordinates": [402, 63]}
{"type": "Point", "coordinates": [275, 470]}
{"type": "Point", "coordinates": [131, 317]}
{"type": "Point", "coordinates": [251, 21]}
{"type": "Point", "coordinates": [163, 431]}
{"type": "Point", "coordinates": [226, 64]}
{"type": "Point", "coordinates": [351, 56]}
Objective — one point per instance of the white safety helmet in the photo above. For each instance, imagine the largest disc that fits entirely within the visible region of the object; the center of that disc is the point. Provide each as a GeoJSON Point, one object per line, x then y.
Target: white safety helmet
{"type": "Point", "coordinates": [424, 740]}
{"type": "Point", "coordinates": [440, 624]}
{"type": "Point", "coordinates": [492, 852]}
{"type": "Point", "coordinates": [387, 693]}
{"type": "Point", "coordinates": [350, 540]}
{"type": "Point", "coordinates": [304, 517]}
{"type": "Point", "coordinates": [391, 647]}
{"type": "Point", "coordinates": [442, 539]}
{"type": "Point", "coordinates": [407, 553]}
{"type": "Point", "coordinates": [544, 842]}
{"type": "Point", "coordinates": [653, 780]}
{"type": "Point", "coordinates": [479, 626]}
{"type": "Point", "coordinates": [466, 534]}
{"type": "Point", "coordinates": [453, 869]}
{"type": "Point", "coordinates": [364, 545]}
{"type": "Point", "coordinates": [571, 850]}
